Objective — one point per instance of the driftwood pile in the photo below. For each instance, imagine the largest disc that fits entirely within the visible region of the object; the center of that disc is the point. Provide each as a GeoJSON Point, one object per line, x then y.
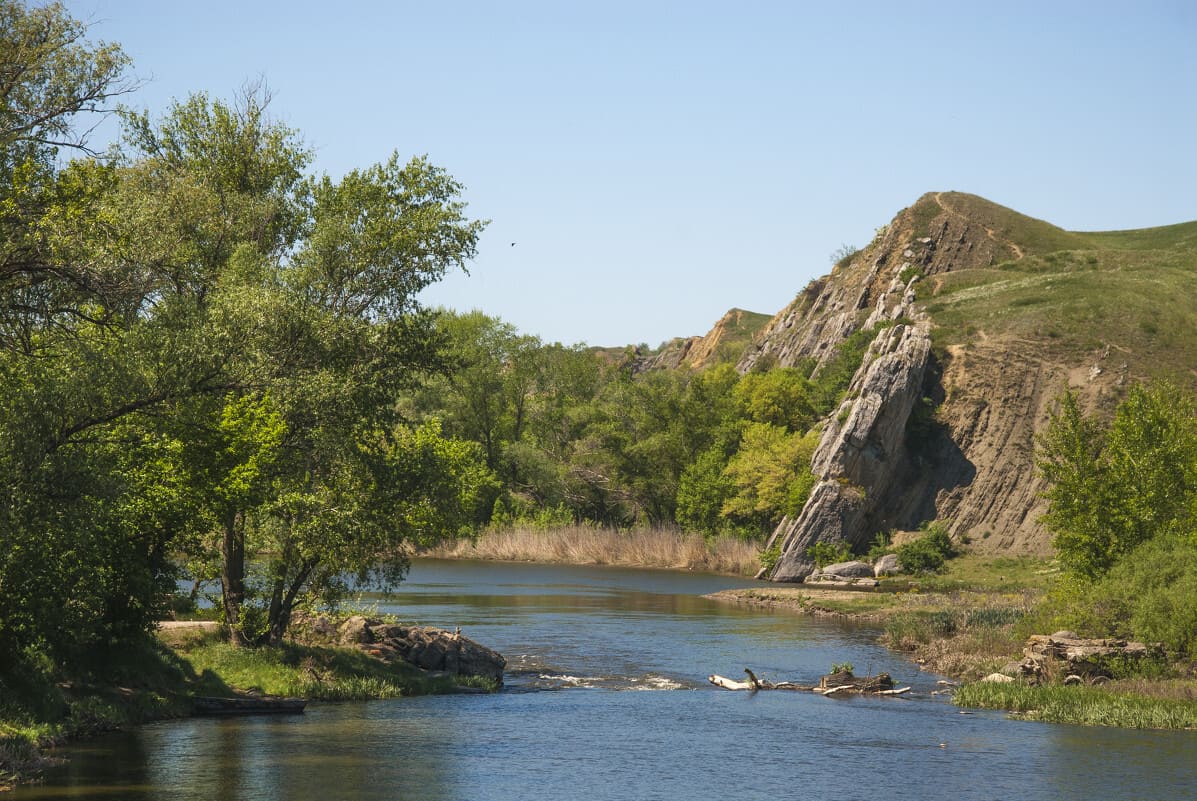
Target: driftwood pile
{"type": "Point", "coordinates": [842, 682]}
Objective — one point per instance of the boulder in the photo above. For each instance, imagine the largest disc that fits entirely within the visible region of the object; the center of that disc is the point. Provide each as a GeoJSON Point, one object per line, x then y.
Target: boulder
{"type": "Point", "coordinates": [436, 649]}
{"type": "Point", "coordinates": [354, 631]}
{"type": "Point", "coordinates": [425, 647]}
{"type": "Point", "coordinates": [853, 569]}
{"type": "Point", "coordinates": [887, 565]}
{"type": "Point", "coordinates": [999, 678]}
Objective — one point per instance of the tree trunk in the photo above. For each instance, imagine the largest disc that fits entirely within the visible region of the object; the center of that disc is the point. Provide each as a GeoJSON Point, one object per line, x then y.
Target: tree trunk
{"type": "Point", "coordinates": [280, 612]}
{"type": "Point", "coordinates": [232, 576]}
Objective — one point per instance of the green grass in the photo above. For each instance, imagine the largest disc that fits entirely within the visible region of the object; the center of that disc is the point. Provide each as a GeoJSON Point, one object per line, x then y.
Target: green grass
{"type": "Point", "coordinates": [1090, 706]}
{"type": "Point", "coordinates": [155, 679]}
{"type": "Point", "coordinates": [1076, 292]}
{"type": "Point", "coordinates": [318, 674]}
{"type": "Point", "coordinates": [987, 574]}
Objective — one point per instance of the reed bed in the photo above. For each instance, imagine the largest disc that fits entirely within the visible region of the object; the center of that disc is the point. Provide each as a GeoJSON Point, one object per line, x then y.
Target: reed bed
{"type": "Point", "coordinates": [669, 548]}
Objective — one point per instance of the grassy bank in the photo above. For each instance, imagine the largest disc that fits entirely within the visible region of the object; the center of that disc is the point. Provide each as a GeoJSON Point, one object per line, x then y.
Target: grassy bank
{"type": "Point", "coordinates": [973, 619]}
{"type": "Point", "coordinates": [669, 548]}
{"type": "Point", "coordinates": [159, 679]}
{"type": "Point", "coordinates": [1128, 704]}
{"type": "Point", "coordinates": [303, 671]}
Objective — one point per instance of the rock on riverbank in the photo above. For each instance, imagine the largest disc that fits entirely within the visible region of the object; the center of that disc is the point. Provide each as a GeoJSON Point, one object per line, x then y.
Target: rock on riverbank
{"type": "Point", "coordinates": [426, 647]}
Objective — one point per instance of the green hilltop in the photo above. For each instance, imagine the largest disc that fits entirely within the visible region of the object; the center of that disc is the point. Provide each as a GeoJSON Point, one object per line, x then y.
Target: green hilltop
{"type": "Point", "coordinates": [1070, 292]}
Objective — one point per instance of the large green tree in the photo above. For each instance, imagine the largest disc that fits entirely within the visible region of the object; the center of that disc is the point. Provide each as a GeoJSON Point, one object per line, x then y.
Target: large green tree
{"type": "Point", "coordinates": [303, 293]}
{"type": "Point", "coordinates": [200, 350]}
{"type": "Point", "coordinates": [1116, 485]}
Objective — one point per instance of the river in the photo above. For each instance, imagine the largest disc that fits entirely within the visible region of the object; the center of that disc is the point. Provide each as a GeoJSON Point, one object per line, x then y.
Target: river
{"type": "Point", "coordinates": [606, 698]}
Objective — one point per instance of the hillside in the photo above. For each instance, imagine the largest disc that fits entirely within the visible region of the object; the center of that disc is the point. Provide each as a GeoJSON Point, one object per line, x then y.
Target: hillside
{"type": "Point", "coordinates": [724, 343]}
{"type": "Point", "coordinates": [998, 313]}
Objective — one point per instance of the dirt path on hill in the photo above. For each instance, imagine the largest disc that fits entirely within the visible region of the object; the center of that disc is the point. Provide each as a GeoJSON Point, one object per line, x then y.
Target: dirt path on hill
{"type": "Point", "coordinates": [1018, 252]}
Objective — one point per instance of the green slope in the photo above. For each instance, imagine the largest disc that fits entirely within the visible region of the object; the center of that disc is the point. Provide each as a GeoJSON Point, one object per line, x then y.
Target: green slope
{"type": "Point", "coordinates": [1074, 292]}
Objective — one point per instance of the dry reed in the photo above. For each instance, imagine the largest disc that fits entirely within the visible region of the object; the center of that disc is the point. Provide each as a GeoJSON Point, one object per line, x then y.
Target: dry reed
{"type": "Point", "coordinates": [588, 545]}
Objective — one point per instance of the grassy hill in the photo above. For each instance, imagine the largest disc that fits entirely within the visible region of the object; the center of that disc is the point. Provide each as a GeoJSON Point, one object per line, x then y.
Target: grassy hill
{"type": "Point", "coordinates": [1074, 292]}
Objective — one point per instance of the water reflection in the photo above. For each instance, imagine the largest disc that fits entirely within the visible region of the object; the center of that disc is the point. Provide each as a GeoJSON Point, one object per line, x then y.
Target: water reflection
{"type": "Point", "coordinates": [591, 635]}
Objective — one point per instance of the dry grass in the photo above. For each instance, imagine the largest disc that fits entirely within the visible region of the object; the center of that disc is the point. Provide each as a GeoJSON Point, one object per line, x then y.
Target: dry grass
{"type": "Point", "coordinates": [586, 545]}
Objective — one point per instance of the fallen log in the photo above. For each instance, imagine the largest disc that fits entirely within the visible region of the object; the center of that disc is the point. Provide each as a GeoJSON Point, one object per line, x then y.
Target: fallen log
{"type": "Point", "coordinates": [842, 682]}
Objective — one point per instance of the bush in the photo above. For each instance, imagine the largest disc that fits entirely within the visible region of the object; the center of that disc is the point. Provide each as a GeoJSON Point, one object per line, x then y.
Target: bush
{"type": "Point", "coordinates": [1148, 595]}
{"type": "Point", "coordinates": [769, 557]}
{"type": "Point", "coordinates": [927, 553]}
{"type": "Point", "coordinates": [828, 553]}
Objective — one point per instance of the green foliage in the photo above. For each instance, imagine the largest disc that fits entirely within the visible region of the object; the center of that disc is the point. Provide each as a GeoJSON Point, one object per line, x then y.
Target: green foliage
{"type": "Point", "coordinates": [928, 552]}
{"type": "Point", "coordinates": [829, 553]}
{"type": "Point", "coordinates": [770, 472]}
{"type": "Point", "coordinates": [1147, 596]}
{"type": "Point", "coordinates": [704, 489]}
{"type": "Point", "coordinates": [1114, 487]}
{"type": "Point", "coordinates": [769, 557]}
{"type": "Point", "coordinates": [842, 667]}
{"type": "Point", "coordinates": [880, 546]}
{"type": "Point", "coordinates": [779, 397]}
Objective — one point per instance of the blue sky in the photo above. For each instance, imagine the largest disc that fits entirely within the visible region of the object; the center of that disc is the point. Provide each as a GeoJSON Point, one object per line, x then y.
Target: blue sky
{"type": "Point", "coordinates": [657, 164]}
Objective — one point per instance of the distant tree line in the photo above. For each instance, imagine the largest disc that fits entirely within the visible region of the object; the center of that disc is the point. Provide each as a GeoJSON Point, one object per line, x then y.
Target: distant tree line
{"type": "Point", "coordinates": [574, 436]}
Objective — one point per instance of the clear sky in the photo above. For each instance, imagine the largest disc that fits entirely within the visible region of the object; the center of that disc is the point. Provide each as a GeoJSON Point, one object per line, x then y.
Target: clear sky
{"type": "Point", "coordinates": [658, 163]}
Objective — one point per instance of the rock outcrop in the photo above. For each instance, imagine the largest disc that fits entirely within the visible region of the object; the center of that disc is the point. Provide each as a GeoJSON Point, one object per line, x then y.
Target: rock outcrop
{"type": "Point", "coordinates": [862, 453]}
{"type": "Point", "coordinates": [425, 647]}
{"type": "Point", "coordinates": [945, 435]}
{"type": "Point", "coordinates": [1055, 655]}
{"type": "Point", "coordinates": [730, 335]}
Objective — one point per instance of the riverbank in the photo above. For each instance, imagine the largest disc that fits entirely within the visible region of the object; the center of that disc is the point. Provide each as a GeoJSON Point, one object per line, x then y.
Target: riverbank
{"type": "Point", "coordinates": [160, 679]}
{"type": "Point", "coordinates": [972, 621]}
{"type": "Point", "coordinates": [662, 548]}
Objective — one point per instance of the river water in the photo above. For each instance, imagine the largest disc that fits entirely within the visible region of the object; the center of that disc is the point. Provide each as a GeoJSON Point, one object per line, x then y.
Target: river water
{"type": "Point", "coordinates": [607, 698]}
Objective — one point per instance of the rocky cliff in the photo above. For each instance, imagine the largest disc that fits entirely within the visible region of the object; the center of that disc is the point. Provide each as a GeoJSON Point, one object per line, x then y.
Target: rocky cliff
{"type": "Point", "coordinates": [946, 432]}
{"type": "Point", "coordinates": [724, 342]}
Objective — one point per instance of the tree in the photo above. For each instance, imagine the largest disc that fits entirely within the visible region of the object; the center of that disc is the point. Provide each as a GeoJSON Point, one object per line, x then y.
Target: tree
{"type": "Point", "coordinates": [73, 576]}
{"type": "Point", "coordinates": [1079, 494]}
{"type": "Point", "coordinates": [771, 473]}
{"type": "Point", "coordinates": [304, 293]}
{"type": "Point", "coordinates": [1113, 487]}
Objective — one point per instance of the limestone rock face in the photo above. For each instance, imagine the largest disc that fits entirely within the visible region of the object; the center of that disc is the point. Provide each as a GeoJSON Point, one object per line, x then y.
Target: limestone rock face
{"type": "Point", "coordinates": [862, 452]}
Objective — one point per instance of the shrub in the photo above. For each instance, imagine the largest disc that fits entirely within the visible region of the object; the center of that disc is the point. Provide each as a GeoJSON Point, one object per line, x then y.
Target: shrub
{"type": "Point", "coordinates": [927, 553]}
{"type": "Point", "coordinates": [1148, 595]}
{"type": "Point", "coordinates": [880, 545]}
{"type": "Point", "coordinates": [769, 557]}
{"type": "Point", "coordinates": [828, 553]}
